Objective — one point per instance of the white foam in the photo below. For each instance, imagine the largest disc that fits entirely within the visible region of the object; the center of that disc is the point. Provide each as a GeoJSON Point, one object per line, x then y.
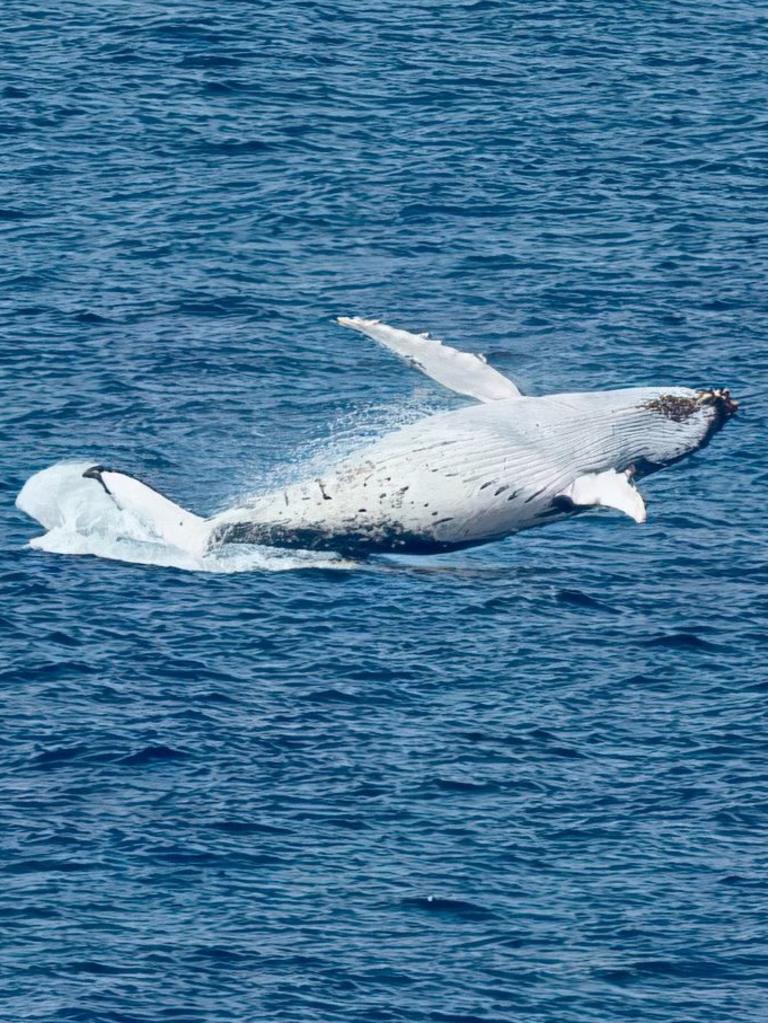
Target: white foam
{"type": "Point", "coordinates": [80, 518]}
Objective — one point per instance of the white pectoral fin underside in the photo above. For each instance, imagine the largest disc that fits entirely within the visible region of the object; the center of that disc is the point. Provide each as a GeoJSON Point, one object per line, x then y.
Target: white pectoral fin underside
{"type": "Point", "coordinates": [459, 371]}
{"type": "Point", "coordinates": [609, 489]}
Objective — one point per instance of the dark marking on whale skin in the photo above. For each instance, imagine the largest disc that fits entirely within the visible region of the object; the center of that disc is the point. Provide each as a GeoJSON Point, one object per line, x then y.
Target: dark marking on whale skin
{"type": "Point", "coordinates": [352, 542]}
{"type": "Point", "coordinates": [513, 495]}
{"type": "Point", "coordinates": [562, 505]}
{"type": "Point", "coordinates": [434, 446]}
{"type": "Point", "coordinates": [501, 489]}
{"type": "Point", "coordinates": [488, 483]}
{"type": "Point", "coordinates": [673, 407]}
{"type": "Point", "coordinates": [535, 495]}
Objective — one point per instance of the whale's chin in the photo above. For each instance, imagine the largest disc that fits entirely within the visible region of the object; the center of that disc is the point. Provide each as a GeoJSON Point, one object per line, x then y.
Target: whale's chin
{"type": "Point", "coordinates": [680, 422]}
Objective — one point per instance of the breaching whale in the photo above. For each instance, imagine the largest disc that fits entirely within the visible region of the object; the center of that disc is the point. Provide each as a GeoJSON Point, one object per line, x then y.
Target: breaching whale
{"type": "Point", "coordinates": [452, 480]}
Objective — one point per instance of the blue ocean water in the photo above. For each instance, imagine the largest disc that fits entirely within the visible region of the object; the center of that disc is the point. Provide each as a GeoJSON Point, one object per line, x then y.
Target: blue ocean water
{"type": "Point", "coordinates": [526, 782]}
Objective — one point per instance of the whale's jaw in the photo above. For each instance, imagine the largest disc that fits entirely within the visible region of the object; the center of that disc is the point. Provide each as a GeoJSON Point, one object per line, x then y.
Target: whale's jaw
{"type": "Point", "coordinates": [701, 414]}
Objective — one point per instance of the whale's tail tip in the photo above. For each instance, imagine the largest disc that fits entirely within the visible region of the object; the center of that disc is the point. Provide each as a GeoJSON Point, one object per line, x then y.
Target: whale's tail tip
{"type": "Point", "coordinates": [96, 472]}
{"type": "Point", "coordinates": [165, 519]}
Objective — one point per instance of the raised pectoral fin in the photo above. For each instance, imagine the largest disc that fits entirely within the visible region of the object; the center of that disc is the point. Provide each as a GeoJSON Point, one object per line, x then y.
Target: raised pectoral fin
{"type": "Point", "coordinates": [459, 371]}
{"type": "Point", "coordinates": [609, 489]}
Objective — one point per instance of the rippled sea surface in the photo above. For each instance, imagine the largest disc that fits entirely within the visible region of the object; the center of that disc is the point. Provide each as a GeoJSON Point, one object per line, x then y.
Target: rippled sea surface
{"type": "Point", "coordinates": [526, 782]}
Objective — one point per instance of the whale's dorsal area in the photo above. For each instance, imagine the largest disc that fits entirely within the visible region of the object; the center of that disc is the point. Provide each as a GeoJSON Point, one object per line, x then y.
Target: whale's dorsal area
{"type": "Point", "coordinates": [461, 372]}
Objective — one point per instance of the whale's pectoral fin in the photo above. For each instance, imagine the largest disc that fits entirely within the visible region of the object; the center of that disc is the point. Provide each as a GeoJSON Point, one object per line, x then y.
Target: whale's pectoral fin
{"type": "Point", "coordinates": [459, 371]}
{"type": "Point", "coordinates": [609, 489]}
{"type": "Point", "coordinates": [166, 520]}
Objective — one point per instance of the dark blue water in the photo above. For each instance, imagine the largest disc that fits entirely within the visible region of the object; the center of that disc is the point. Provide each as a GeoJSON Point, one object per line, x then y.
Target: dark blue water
{"type": "Point", "coordinates": [522, 783]}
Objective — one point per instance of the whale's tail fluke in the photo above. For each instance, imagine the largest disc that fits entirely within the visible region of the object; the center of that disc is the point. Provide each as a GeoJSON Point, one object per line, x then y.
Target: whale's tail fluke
{"type": "Point", "coordinates": [168, 521]}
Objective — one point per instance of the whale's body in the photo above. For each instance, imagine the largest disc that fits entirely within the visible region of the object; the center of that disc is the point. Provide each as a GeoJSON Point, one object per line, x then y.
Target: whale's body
{"type": "Point", "coordinates": [465, 477]}
{"type": "Point", "coordinates": [460, 478]}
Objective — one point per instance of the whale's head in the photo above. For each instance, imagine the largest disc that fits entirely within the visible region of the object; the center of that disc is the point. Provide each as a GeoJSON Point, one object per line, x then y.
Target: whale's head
{"type": "Point", "coordinates": [676, 422]}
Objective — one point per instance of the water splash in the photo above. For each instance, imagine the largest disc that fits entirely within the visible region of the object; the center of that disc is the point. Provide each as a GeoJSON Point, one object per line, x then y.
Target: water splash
{"type": "Point", "coordinates": [348, 431]}
{"type": "Point", "coordinates": [81, 518]}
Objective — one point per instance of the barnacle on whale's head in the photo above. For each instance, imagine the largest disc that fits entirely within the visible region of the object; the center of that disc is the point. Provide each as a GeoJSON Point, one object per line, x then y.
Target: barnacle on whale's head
{"type": "Point", "coordinates": [679, 407]}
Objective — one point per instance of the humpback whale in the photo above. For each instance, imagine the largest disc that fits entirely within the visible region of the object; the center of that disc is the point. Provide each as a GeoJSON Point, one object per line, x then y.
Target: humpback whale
{"type": "Point", "coordinates": [505, 463]}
